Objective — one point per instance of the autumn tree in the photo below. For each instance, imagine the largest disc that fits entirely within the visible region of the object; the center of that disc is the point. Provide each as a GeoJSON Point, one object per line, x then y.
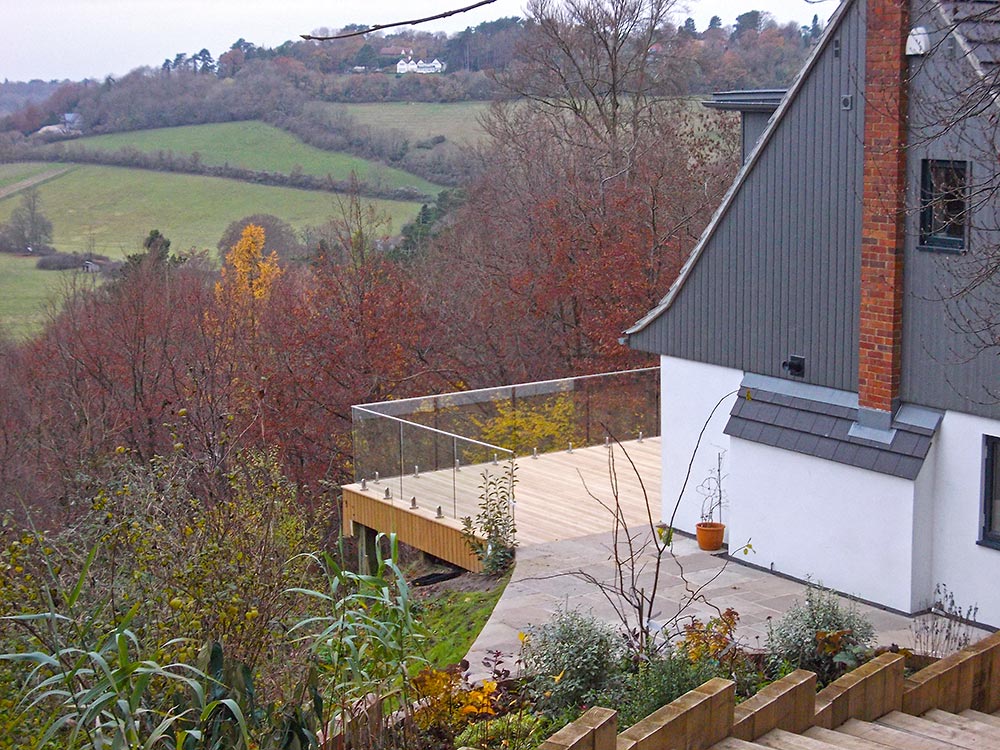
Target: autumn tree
{"type": "Point", "coordinates": [585, 68]}
{"type": "Point", "coordinates": [28, 226]}
{"type": "Point", "coordinates": [281, 237]}
{"type": "Point", "coordinates": [347, 329]}
{"type": "Point", "coordinates": [591, 191]}
{"type": "Point", "coordinates": [248, 275]}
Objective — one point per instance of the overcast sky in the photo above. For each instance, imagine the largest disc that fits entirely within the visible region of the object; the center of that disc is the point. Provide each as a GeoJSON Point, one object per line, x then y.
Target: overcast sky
{"type": "Point", "coordinates": [75, 39]}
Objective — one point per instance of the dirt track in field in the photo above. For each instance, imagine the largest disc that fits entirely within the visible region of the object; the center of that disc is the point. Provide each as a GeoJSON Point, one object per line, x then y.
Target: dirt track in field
{"type": "Point", "coordinates": [36, 179]}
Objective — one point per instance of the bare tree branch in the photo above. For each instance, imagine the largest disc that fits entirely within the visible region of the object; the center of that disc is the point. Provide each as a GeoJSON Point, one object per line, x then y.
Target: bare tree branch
{"type": "Point", "coordinates": [414, 22]}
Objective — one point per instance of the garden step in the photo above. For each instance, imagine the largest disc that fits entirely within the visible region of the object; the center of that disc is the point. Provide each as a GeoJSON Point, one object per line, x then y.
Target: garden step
{"type": "Point", "coordinates": [732, 743]}
{"type": "Point", "coordinates": [966, 723]}
{"type": "Point", "coordinates": [922, 727]}
{"type": "Point", "coordinates": [842, 740]}
{"type": "Point", "coordinates": [992, 719]}
{"type": "Point", "coordinates": [891, 736]}
{"type": "Point", "coordinates": [779, 739]}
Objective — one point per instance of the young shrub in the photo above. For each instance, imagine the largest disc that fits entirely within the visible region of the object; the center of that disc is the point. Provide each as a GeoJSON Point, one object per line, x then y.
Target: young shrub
{"type": "Point", "coordinates": [492, 536]}
{"type": "Point", "coordinates": [82, 686]}
{"type": "Point", "coordinates": [365, 640]}
{"type": "Point", "coordinates": [513, 731]}
{"type": "Point", "coordinates": [820, 635]}
{"type": "Point", "coordinates": [947, 628]}
{"type": "Point", "coordinates": [662, 679]}
{"type": "Point", "coordinates": [574, 660]}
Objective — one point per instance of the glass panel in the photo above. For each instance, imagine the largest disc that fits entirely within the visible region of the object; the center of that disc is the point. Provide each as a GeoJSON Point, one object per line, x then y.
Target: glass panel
{"type": "Point", "coordinates": [944, 204]}
{"type": "Point", "coordinates": [434, 450]}
{"type": "Point", "coordinates": [993, 487]}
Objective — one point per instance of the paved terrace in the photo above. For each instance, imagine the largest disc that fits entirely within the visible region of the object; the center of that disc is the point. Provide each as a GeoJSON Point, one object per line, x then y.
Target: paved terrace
{"type": "Point", "coordinates": [565, 534]}
{"type": "Point", "coordinates": [547, 577]}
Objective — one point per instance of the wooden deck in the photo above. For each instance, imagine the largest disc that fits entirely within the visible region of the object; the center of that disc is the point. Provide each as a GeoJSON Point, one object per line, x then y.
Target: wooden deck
{"type": "Point", "coordinates": [557, 496]}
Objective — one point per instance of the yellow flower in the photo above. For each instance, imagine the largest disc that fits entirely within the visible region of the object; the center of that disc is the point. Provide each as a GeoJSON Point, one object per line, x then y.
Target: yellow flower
{"type": "Point", "coordinates": [557, 677]}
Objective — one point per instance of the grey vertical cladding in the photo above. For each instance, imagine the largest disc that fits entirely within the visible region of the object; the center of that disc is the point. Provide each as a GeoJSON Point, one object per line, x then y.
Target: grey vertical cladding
{"type": "Point", "coordinates": [779, 274]}
{"type": "Point", "coordinates": [753, 127]}
{"type": "Point", "coordinates": [942, 368]}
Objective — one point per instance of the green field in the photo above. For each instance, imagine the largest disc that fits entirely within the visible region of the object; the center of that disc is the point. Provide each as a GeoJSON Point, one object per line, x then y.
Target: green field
{"type": "Point", "coordinates": [458, 122]}
{"type": "Point", "coordinates": [14, 173]}
{"type": "Point", "coordinates": [258, 146]}
{"type": "Point", "coordinates": [111, 209]}
{"type": "Point", "coordinates": [26, 294]}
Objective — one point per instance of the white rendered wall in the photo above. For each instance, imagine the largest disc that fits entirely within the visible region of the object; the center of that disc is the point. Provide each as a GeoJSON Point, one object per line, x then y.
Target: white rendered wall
{"type": "Point", "coordinates": [688, 392]}
{"type": "Point", "coordinates": [969, 570]}
{"type": "Point", "coordinates": [847, 528]}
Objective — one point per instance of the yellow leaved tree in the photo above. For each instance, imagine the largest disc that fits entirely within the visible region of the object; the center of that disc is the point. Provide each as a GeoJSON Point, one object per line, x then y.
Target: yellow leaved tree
{"type": "Point", "coordinates": [247, 274]}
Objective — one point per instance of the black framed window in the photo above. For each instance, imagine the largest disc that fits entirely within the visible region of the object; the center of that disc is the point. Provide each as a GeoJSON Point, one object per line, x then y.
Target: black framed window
{"type": "Point", "coordinates": [944, 204]}
{"type": "Point", "coordinates": [991, 493]}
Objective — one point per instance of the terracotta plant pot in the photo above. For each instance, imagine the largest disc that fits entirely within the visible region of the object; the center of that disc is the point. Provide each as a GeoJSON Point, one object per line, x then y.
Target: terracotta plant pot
{"type": "Point", "coordinates": [710, 535]}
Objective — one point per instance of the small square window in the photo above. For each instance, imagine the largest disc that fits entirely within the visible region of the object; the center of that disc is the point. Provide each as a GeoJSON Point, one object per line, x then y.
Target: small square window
{"type": "Point", "coordinates": [991, 493]}
{"type": "Point", "coordinates": [944, 205]}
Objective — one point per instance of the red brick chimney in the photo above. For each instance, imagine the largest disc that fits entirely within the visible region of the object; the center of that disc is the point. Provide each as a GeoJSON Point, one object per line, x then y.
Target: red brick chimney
{"type": "Point", "coordinates": [884, 203]}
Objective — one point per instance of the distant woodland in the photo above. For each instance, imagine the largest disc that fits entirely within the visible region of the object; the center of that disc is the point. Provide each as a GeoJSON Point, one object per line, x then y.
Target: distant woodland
{"type": "Point", "coordinates": [276, 84]}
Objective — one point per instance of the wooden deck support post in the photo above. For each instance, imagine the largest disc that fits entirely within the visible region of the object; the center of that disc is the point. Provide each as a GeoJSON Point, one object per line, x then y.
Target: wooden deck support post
{"type": "Point", "coordinates": [367, 555]}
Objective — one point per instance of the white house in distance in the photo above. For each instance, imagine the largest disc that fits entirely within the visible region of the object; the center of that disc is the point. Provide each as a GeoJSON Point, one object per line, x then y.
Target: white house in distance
{"type": "Point", "coordinates": [858, 402]}
{"type": "Point", "coordinates": [407, 65]}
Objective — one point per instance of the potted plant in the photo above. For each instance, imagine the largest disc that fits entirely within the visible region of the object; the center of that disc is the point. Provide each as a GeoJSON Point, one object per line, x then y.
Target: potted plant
{"type": "Point", "coordinates": [710, 532]}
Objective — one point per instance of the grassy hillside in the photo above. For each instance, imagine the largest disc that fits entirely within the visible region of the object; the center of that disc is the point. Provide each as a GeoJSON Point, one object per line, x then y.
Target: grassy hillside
{"type": "Point", "coordinates": [25, 294]}
{"type": "Point", "coordinates": [458, 122]}
{"type": "Point", "coordinates": [258, 146]}
{"type": "Point", "coordinates": [111, 209]}
{"type": "Point", "coordinates": [11, 174]}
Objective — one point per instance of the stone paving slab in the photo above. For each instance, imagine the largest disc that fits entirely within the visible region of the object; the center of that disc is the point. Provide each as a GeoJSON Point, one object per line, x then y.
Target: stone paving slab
{"type": "Point", "coordinates": [546, 578]}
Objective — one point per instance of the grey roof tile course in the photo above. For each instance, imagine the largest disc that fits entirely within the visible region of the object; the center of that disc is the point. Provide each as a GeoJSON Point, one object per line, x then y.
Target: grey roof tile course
{"type": "Point", "coordinates": [820, 428]}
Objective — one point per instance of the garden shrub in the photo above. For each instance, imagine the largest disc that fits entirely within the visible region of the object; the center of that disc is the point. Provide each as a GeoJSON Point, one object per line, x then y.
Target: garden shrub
{"type": "Point", "coordinates": [198, 571]}
{"type": "Point", "coordinates": [574, 660]}
{"type": "Point", "coordinates": [521, 730]}
{"type": "Point", "coordinates": [663, 678]}
{"type": "Point", "coordinates": [821, 635]}
{"type": "Point", "coordinates": [59, 262]}
{"type": "Point", "coordinates": [492, 537]}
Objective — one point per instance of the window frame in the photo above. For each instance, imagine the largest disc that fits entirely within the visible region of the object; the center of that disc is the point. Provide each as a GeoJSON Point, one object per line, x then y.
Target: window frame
{"type": "Point", "coordinates": [930, 196]}
{"type": "Point", "coordinates": [990, 531]}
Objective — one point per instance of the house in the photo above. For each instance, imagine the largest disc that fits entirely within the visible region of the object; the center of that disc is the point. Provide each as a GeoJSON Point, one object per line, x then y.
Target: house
{"type": "Point", "coordinates": [407, 65]}
{"type": "Point", "coordinates": [813, 334]}
{"type": "Point", "coordinates": [434, 66]}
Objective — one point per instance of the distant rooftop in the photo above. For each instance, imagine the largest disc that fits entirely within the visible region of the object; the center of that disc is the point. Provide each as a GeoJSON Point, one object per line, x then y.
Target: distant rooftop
{"type": "Point", "coordinates": [748, 100]}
